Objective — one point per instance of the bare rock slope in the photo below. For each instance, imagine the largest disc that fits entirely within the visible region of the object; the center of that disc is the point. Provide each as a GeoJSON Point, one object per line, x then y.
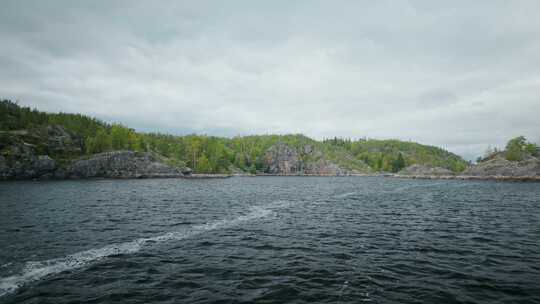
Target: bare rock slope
{"type": "Point", "coordinates": [306, 160]}
{"type": "Point", "coordinates": [499, 166]}
{"type": "Point", "coordinates": [122, 164]}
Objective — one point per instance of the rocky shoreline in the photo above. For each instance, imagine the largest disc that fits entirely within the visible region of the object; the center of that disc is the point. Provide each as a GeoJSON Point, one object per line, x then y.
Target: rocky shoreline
{"type": "Point", "coordinates": [225, 176]}
{"type": "Point", "coordinates": [470, 177]}
{"type": "Point", "coordinates": [117, 164]}
{"type": "Point", "coordinates": [440, 177]}
{"type": "Point", "coordinates": [497, 167]}
{"type": "Point", "coordinates": [53, 153]}
{"type": "Point", "coordinates": [206, 176]}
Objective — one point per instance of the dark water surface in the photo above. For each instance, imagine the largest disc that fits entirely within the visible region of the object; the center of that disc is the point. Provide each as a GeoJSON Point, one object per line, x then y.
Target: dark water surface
{"type": "Point", "coordinates": [270, 240]}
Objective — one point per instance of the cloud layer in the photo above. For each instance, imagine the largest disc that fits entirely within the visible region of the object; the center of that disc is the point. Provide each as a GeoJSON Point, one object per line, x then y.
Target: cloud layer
{"type": "Point", "coordinates": [459, 75]}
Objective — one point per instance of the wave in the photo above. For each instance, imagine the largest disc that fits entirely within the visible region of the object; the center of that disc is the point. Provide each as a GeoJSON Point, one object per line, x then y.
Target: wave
{"type": "Point", "coordinates": [446, 183]}
{"type": "Point", "coordinates": [33, 271]}
{"type": "Point", "coordinates": [422, 185]}
{"type": "Point", "coordinates": [345, 195]}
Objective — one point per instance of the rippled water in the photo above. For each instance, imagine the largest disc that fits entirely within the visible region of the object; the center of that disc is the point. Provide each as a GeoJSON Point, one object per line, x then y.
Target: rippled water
{"type": "Point", "coordinates": [270, 240]}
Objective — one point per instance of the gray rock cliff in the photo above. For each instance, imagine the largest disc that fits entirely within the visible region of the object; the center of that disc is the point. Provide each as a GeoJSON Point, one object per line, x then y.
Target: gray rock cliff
{"type": "Point", "coordinates": [283, 159]}
{"type": "Point", "coordinates": [122, 164]}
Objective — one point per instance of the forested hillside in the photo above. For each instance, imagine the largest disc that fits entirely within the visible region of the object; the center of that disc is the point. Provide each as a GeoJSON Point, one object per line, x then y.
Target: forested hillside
{"type": "Point", "coordinates": [393, 155]}
{"type": "Point", "coordinates": [210, 154]}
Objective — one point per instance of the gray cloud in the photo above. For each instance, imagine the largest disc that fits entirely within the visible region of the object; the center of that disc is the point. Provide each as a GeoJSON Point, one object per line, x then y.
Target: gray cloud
{"type": "Point", "coordinates": [460, 75]}
{"type": "Point", "coordinates": [437, 98]}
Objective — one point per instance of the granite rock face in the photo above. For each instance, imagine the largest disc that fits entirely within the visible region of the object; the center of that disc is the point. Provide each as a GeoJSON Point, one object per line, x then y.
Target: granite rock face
{"type": "Point", "coordinates": [286, 160]}
{"type": "Point", "coordinates": [420, 170]}
{"type": "Point", "coordinates": [499, 166]}
{"type": "Point", "coordinates": [282, 159]}
{"type": "Point", "coordinates": [20, 161]}
{"type": "Point", "coordinates": [122, 164]}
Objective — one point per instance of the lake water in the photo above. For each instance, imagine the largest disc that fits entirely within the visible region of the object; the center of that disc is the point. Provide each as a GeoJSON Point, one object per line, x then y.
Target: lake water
{"type": "Point", "coordinates": [270, 240]}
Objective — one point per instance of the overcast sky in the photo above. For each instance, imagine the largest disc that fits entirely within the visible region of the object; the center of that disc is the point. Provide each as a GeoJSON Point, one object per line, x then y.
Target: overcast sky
{"type": "Point", "coordinates": [461, 75]}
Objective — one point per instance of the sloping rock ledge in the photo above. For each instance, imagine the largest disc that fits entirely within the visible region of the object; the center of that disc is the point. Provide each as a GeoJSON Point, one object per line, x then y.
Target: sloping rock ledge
{"type": "Point", "coordinates": [122, 164]}
{"type": "Point", "coordinates": [117, 164]}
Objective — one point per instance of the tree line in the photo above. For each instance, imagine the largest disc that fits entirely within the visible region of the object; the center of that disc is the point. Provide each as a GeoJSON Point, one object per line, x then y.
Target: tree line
{"type": "Point", "coordinates": [393, 155]}
{"type": "Point", "coordinates": [210, 154]}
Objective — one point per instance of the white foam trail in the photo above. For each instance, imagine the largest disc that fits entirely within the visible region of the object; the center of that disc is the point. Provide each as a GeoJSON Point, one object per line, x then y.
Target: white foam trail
{"type": "Point", "coordinates": [34, 271]}
{"type": "Point", "coordinates": [345, 195]}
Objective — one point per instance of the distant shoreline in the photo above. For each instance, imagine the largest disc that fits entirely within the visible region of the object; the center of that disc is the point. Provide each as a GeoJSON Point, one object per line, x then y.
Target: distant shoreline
{"type": "Point", "coordinates": [471, 177]}
{"type": "Point", "coordinates": [439, 177]}
{"type": "Point", "coordinates": [223, 176]}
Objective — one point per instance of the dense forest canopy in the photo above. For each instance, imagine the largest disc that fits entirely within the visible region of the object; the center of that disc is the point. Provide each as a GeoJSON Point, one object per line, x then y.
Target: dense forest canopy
{"type": "Point", "coordinates": [210, 154]}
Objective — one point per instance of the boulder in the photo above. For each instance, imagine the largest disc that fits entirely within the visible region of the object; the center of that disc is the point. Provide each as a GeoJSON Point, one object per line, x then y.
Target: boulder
{"type": "Point", "coordinates": [186, 171]}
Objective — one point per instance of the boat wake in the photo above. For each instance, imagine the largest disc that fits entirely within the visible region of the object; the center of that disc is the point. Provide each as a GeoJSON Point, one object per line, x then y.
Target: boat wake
{"type": "Point", "coordinates": [33, 271]}
{"type": "Point", "coordinates": [345, 195]}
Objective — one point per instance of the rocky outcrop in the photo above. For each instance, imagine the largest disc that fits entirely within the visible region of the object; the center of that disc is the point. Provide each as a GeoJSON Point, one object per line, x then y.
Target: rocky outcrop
{"type": "Point", "coordinates": [496, 167]}
{"type": "Point", "coordinates": [282, 159]}
{"type": "Point", "coordinates": [307, 160]}
{"type": "Point", "coordinates": [20, 161]}
{"type": "Point", "coordinates": [24, 164]}
{"type": "Point", "coordinates": [122, 164]}
{"type": "Point", "coordinates": [48, 152]}
{"type": "Point", "coordinates": [60, 141]}
{"type": "Point", "coordinates": [499, 166]}
{"type": "Point", "coordinates": [324, 167]}
{"type": "Point", "coordinates": [28, 154]}
{"type": "Point", "coordinates": [418, 170]}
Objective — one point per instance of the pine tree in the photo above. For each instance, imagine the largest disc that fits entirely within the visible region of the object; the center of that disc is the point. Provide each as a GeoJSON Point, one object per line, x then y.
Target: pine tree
{"type": "Point", "coordinates": [398, 164]}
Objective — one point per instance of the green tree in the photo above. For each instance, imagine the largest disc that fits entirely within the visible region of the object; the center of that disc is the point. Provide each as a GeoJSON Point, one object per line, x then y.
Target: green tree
{"type": "Point", "coordinates": [203, 165]}
{"type": "Point", "coordinates": [518, 147]}
{"type": "Point", "coordinates": [240, 161]}
{"type": "Point", "coordinates": [398, 164]}
{"type": "Point", "coordinates": [379, 162]}
{"type": "Point", "coordinates": [102, 142]}
{"type": "Point", "coordinates": [119, 137]}
{"type": "Point", "coordinates": [193, 150]}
